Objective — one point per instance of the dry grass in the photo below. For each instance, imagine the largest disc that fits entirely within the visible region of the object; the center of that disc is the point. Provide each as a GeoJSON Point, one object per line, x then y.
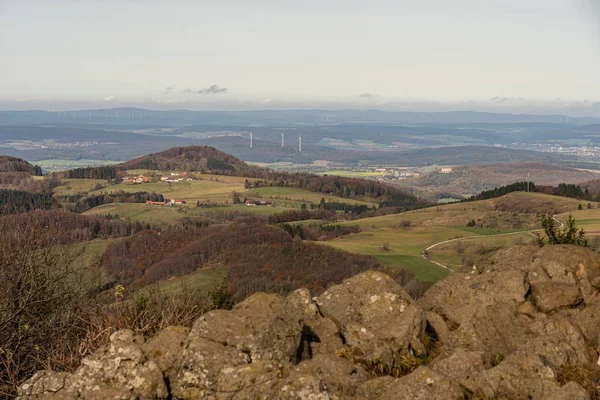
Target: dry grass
{"type": "Point", "coordinates": [584, 375]}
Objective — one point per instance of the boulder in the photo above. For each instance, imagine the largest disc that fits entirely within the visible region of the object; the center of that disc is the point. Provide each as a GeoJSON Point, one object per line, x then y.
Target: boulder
{"type": "Point", "coordinates": [550, 296]}
{"type": "Point", "coordinates": [166, 350]}
{"type": "Point", "coordinates": [248, 381]}
{"type": "Point", "coordinates": [462, 366]}
{"type": "Point", "coordinates": [201, 366]}
{"type": "Point", "coordinates": [424, 384]}
{"type": "Point", "coordinates": [458, 297]}
{"type": "Point", "coordinates": [531, 371]}
{"type": "Point", "coordinates": [341, 376]}
{"type": "Point", "coordinates": [116, 370]}
{"type": "Point", "coordinates": [496, 330]}
{"type": "Point", "coordinates": [570, 391]}
{"type": "Point", "coordinates": [375, 316]}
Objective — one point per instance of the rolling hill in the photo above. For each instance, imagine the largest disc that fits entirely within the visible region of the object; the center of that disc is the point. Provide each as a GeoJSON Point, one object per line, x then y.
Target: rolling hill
{"type": "Point", "coordinates": [190, 158]}
{"type": "Point", "coordinates": [468, 180]}
{"type": "Point", "coordinates": [14, 164]}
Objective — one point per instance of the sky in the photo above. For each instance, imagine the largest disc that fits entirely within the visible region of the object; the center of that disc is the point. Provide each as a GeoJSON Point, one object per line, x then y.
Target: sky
{"type": "Point", "coordinates": [540, 56]}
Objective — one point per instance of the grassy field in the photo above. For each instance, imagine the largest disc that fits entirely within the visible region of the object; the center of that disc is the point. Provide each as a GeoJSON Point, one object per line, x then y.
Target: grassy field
{"type": "Point", "coordinates": [171, 215]}
{"type": "Point", "coordinates": [299, 195]}
{"type": "Point", "coordinates": [212, 188]}
{"type": "Point", "coordinates": [589, 220]}
{"type": "Point", "coordinates": [404, 246]}
{"type": "Point", "coordinates": [76, 186]}
{"type": "Point", "coordinates": [204, 280]}
{"type": "Point", "coordinates": [453, 253]}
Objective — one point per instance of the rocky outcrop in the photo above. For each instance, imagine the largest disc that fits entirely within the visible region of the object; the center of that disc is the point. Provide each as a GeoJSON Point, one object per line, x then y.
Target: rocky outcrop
{"type": "Point", "coordinates": [503, 331]}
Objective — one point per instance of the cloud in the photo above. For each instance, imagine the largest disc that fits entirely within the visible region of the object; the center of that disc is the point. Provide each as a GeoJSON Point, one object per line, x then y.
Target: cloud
{"type": "Point", "coordinates": [169, 89]}
{"type": "Point", "coordinates": [367, 96]}
{"type": "Point", "coordinates": [506, 99]}
{"type": "Point", "coordinates": [109, 98]}
{"type": "Point", "coordinates": [266, 101]}
{"type": "Point", "coordinates": [212, 89]}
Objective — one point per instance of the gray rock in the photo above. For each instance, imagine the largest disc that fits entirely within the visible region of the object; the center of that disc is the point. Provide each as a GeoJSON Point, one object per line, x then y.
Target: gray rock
{"type": "Point", "coordinates": [424, 384]}
{"type": "Point", "coordinates": [437, 324]}
{"type": "Point", "coordinates": [550, 296]}
{"type": "Point", "coordinates": [122, 367]}
{"type": "Point", "coordinates": [377, 319]}
{"type": "Point", "coordinates": [48, 384]}
{"type": "Point", "coordinates": [457, 300]}
{"type": "Point", "coordinates": [341, 376]}
{"type": "Point", "coordinates": [530, 372]}
{"type": "Point", "coordinates": [249, 381]}
{"type": "Point", "coordinates": [462, 366]}
{"type": "Point", "coordinates": [166, 350]}
{"type": "Point", "coordinates": [201, 367]}
{"type": "Point", "coordinates": [570, 391]}
{"type": "Point", "coordinates": [496, 330]}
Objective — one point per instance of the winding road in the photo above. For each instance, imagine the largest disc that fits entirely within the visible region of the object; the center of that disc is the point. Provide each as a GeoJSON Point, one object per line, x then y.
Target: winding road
{"type": "Point", "coordinates": [424, 253]}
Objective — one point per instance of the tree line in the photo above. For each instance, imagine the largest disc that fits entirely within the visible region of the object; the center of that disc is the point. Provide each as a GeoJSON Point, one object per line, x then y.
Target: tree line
{"type": "Point", "coordinates": [86, 203]}
{"type": "Point", "coordinates": [18, 201]}
{"type": "Point", "coordinates": [104, 172]}
{"type": "Point", "coordinates": [563, 189]}
{"type": "Point", "coordinates": [319, 232]}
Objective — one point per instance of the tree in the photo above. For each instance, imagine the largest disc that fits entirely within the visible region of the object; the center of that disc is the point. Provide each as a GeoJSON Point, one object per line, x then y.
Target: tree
{"type": "Point", "coordinates": [221, 297]}
{"type": "Point", "coordinates": [41, 288]}
{"type": "Point", "coordinates": [471, 223]}
{"type": "Point", "coordinates": [569, 233]}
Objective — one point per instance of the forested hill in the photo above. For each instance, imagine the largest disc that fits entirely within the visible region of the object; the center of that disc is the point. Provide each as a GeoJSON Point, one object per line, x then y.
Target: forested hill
{"type": "Point", "coordinates": [207, 159]}
{"type": "Point", "coordinates": [14, 164]}
{"type": "Point", "coordinates": [190, 158]}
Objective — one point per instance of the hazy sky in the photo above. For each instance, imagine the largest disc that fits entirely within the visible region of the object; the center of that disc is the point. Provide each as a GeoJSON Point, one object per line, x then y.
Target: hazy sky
{"type": "Point", "coordinates": [515, 55]}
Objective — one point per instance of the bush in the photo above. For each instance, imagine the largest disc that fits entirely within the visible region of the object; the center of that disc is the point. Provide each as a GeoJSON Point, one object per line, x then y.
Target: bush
{"type": "Point", "coordinates": [405, 223]}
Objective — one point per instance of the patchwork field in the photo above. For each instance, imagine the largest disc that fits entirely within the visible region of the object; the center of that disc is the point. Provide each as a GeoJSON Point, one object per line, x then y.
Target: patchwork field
{"type": "Point", "coordinates": [216, 189]}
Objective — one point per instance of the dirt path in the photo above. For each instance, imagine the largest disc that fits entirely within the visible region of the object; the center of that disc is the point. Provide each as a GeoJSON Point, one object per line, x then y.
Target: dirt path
{"type": "Point", "coordinates": [424, 253]}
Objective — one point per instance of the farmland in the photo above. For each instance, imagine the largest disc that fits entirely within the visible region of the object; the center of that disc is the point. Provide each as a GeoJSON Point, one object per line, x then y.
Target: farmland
{"type": "Point", "coordinates": [400, 239]}
{"type": "Point", "coordinates": [171, 215]}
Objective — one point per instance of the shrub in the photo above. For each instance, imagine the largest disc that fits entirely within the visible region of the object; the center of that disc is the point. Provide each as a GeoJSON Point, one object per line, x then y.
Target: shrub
{"type": "Point", "coordinates": [405, 223]}
{"type": "Point", "coordinates": [569, 233]}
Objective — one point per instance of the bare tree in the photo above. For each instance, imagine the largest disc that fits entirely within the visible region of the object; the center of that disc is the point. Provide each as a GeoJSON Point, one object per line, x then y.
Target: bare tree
{"type": "Point", "coordinates": [40, 290]}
